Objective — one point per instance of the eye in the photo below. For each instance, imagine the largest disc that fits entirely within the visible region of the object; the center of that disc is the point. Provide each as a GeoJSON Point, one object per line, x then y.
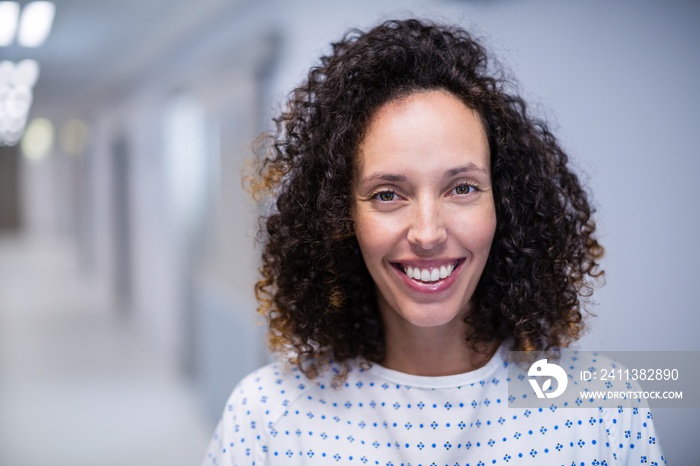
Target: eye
{"type": "Point", "coordinates": [385, 196]}
{"type": "Point", "coordinates": [464, 188]}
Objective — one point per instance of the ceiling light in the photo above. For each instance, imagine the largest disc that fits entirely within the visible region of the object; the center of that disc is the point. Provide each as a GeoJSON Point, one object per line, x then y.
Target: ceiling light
{"type": "Point", "coordinates": [35, 23]}
{"type": "Point", "coordinates": [9, 12]}
{"type": "Point", "coordinates": [16, 82]}
{"type": "Point", "coordinates": [26, 73]}
{"type": "Point", "coordinates": [7, 72]}
{"type": "Point", "coordinates": [38, 139]}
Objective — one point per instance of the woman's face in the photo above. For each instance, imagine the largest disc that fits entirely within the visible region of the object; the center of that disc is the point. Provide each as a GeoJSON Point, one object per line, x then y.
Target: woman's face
{"type": "Point", "coordinates": [423, 208]}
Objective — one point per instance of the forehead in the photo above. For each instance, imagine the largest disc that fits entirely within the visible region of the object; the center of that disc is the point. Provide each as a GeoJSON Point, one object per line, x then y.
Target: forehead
{"type": "Point", "coordinates": [423, 130]}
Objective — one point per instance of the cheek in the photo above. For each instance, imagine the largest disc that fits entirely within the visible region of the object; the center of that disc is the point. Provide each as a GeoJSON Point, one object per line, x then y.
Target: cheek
{"type": "Point", "coordinates": [476, 231]}
{"type": "Point", "coordinates": [376, 237]}
{"type": "Point", "coordinates": [369, 237]}
{"type": "Point", "coordinates": [487, 230]}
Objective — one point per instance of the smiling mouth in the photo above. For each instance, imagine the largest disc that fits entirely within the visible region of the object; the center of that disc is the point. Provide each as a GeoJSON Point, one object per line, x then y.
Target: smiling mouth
{"type": "Point", "coordinates": [429, 274]}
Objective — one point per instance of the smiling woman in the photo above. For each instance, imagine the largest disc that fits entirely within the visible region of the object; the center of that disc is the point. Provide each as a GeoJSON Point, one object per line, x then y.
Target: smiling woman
{"type": "Point", "coordinates": [424, 221]}
{"type": "Point", "coordinates": [424, 224]}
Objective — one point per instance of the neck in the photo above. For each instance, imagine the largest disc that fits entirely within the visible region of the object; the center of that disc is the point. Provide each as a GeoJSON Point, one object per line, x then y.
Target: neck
{"type": "Point", "coordinates": [433, 351]}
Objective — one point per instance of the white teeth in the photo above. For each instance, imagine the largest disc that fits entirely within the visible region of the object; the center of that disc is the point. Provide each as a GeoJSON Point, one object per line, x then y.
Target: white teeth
{"type": "Point", "coordinates": [429, 275]}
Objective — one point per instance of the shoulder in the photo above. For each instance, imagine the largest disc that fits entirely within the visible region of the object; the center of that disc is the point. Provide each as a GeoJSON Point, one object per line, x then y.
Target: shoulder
{"type": "Point", "coordinates": [628, 421]}
{"type": "Point", "coordinates": [594, 388]}
{"type": "Point", "coordinates": [266, 393]}
{"type": "Point", "coordinates": [251, 412]}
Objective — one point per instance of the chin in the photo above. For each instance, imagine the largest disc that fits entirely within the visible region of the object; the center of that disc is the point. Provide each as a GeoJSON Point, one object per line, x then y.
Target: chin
{"type": "Point", "coordinates": [431, 315]}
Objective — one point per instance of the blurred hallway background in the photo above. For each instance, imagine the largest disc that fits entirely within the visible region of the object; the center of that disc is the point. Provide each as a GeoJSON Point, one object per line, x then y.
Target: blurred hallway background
{"type": "Point", "coordinates": [79, 386]}
{"type": "Point", "coordinates": [127, 252]}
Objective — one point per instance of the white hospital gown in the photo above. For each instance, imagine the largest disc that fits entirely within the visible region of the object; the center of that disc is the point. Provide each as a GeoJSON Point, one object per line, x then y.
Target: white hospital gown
{"type": "Point", "coordinates": [383, 417]}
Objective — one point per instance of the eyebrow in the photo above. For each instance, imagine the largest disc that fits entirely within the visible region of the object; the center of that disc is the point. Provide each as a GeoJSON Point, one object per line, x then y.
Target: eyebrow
{"type": "Point", "coordinates": [382, 177]}
{"type": "Point", "coordinates": [470, 167]}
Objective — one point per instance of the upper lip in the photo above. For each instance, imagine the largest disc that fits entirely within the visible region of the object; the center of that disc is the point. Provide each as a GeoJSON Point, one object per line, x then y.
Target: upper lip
{"type": "Point", "coordinates": [427, 263]}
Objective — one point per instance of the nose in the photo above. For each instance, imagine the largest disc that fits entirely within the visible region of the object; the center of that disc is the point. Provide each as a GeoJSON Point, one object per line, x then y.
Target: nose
{"type": "Point", "coordinates": [427, 230]}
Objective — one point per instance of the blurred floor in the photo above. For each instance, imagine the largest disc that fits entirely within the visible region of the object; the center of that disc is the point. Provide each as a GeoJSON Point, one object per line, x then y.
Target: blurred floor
{"type": "Point", "coordinates": [78, 386]}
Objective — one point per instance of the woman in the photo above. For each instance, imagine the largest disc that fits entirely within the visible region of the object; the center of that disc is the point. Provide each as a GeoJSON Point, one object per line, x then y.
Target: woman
{"type": "Point", "coordinates": [424, 224]}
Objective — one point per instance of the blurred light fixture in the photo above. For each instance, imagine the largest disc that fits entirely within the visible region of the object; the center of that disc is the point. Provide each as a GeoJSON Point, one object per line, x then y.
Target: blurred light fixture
{"type": "Point", "coordinates": [35, 23]}
{"type": "Point", "coordinates": [26, 73]}
{"type": "Point", "coordinates": [73, 137]}
{"type": "Point", "coordinates": [16, 82]}
{"type": "Point", "coordinates": [38, 139]}
{"type": "Point", "coordinates": [9, 13]}
{"type": "Point", "coordinates": [7, 71]}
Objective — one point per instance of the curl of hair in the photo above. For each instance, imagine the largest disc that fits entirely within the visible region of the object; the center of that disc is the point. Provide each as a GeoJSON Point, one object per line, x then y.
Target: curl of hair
{"type": "Point", "coordinates": [315, 290]}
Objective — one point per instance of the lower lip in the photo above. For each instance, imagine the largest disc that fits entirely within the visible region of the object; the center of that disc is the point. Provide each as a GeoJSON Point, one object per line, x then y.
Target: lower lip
{"type": "Point", "coordinates": [430, 287]}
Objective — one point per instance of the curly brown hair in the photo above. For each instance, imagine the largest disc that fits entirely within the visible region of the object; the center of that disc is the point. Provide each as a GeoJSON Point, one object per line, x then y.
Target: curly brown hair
{"type": "Point", "coordinates": [315, 290]}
